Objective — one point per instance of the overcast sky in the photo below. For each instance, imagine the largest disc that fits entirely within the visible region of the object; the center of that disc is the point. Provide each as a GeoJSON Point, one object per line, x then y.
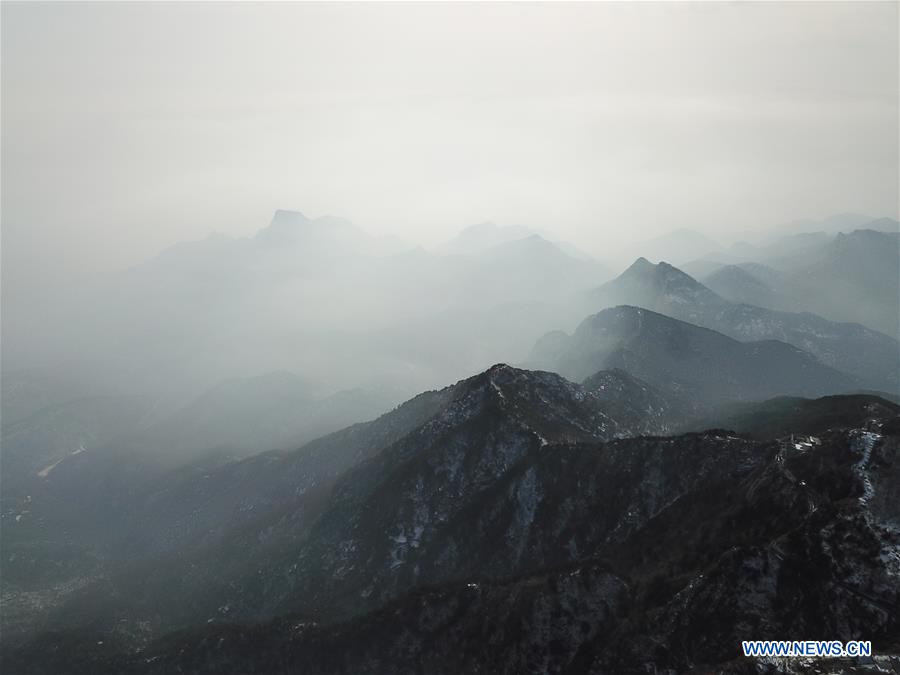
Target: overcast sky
{"type": "Point", "coordinates": [127, 127]}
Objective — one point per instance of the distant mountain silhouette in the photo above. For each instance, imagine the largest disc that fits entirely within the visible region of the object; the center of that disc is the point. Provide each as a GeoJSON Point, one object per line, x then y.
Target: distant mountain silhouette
{"type": "Point", "coordinates": [322, 298]}
{"type": "Point", "coordinates": [478, 238]}
{"type": "Point", "coordinates": [681, 470]}
{"type": "Point", "coordinates": [840, 222]}
{"type": "Point", "coordinates": [738, 284]}
{"type": "Point", "coordinates": [855, 278]}
{"type": "Point", "coordinates": [843, 277]}
{"type": "Point", "coordinates": [862, 353]}
{"type": "Point", "coordinates": [690, 362]}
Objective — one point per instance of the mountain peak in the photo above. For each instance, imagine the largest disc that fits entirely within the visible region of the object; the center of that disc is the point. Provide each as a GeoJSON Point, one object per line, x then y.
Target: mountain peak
{"type": "Point", "coordinates": [656, 287]}
{"type": "Point", "coordinates": [292, 220]}
{"type": "Point", "coordinates": [291, 227]}
{"type": "Point", "coordinates": [284, 225]}
{"type": "Point", "coordinates": [678, 245]}
{"type": "Point", "coordinates": [640, 266]}
{"type": "Point", "coordinates": [661, 273]}
{"type": "Point", "coordinates": [286, 218]}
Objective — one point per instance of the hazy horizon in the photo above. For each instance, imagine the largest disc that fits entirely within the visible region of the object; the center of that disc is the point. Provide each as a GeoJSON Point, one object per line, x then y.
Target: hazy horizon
{"type": "Point", "coordinates": [448, 337]}
{"type": "Point", "coordinates": [124, 134]}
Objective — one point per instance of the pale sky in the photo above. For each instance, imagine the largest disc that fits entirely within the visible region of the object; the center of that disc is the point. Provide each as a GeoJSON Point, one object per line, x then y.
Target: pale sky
{"type": "Point", "coordinates": [127, 127]}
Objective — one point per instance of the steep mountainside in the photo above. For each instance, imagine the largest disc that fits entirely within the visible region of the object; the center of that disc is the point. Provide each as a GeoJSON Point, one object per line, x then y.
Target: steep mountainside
{"type": "Point", "coordinates": [871, 357]}
{"type": "Point", "coordinates": [694, 364]}
{"type": "Point", "coordinates": [583, 557]}
{"type": "Point", "coordinates": [282, 512]}
{"type": "Point", "coordinates": [644, 408]}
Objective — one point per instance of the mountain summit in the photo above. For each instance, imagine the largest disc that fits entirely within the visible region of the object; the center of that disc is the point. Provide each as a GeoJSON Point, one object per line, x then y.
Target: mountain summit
{"type": "Point", "coordinates": [292, 228]}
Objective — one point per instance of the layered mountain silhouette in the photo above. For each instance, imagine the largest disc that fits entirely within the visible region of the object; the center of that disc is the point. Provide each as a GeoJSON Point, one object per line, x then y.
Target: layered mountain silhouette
{"type": "Point", "coordinates": [698, 366]}
{"type": "Point", "coordinates": [840, 222]}
{"type": "Point", "coordinates": [747, 284]}
{"type": "Point", "coordinates": [864, 354]}
{"type": "Point", "coordinates": [480, 238]}
{"type": "Point", "coordinates": [690, 466]}
{"type": "Point", "coordinates": [845, 277]}
{"type": "Point", "coordinates": [854, 278]}
{"type": "Point", "coordinates": [321, 298]}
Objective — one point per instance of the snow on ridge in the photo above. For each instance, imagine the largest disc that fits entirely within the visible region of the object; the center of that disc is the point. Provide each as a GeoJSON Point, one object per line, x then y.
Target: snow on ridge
{"type": "Point", "coordinates": [866, 440]}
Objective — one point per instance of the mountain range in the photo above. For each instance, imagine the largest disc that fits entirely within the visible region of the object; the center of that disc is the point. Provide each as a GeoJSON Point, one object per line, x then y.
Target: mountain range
{"type": "Point", "coordinates": [871, 358]}
{"type": "Point", "coordinates": [318, 297]}
{"type": "Point", "coordinates": [848, 277]}
{"type": "Point", "coordinates": [689, 362]}
{"type": "Point", "coordinates": [212, 474]}
{"type": "Point", "coordinates": [477, 239]}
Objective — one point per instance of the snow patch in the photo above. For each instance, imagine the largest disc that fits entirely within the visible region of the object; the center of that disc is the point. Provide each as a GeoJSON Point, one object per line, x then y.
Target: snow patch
{"type": "Point", "coordinates": [864, 444]}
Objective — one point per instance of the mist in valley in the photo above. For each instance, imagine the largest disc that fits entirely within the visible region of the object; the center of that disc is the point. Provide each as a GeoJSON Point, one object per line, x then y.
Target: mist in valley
{"type": "Point", "coordinates": [309, 308]}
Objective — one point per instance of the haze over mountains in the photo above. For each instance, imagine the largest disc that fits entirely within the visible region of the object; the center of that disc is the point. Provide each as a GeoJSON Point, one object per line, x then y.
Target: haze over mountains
{"type": "Point", "coordinates": [850, 277]}
{"type": "Point", "coordinates": [364, 310]}
{"type": "Point", "coordinates": [870, 356]}
{"type": "Point", "coordinates": [688, 361]}
{"type": "Point", "coordinates": [251, 443]}
{"type": "Point", "coordinates": [365, 321]}
{"type": "Point", "coordinates": [182, 334]}
{"type": "Point", "coordinates": [450, 338]}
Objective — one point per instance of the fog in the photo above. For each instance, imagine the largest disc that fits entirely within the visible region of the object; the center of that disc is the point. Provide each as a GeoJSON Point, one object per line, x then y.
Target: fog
{"type": "Point", "coordinates": [447, 337]}
{"type": "Point", "coordinates": [146, 148]}
{"type": "Point", "coordinates": [128, 127]}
